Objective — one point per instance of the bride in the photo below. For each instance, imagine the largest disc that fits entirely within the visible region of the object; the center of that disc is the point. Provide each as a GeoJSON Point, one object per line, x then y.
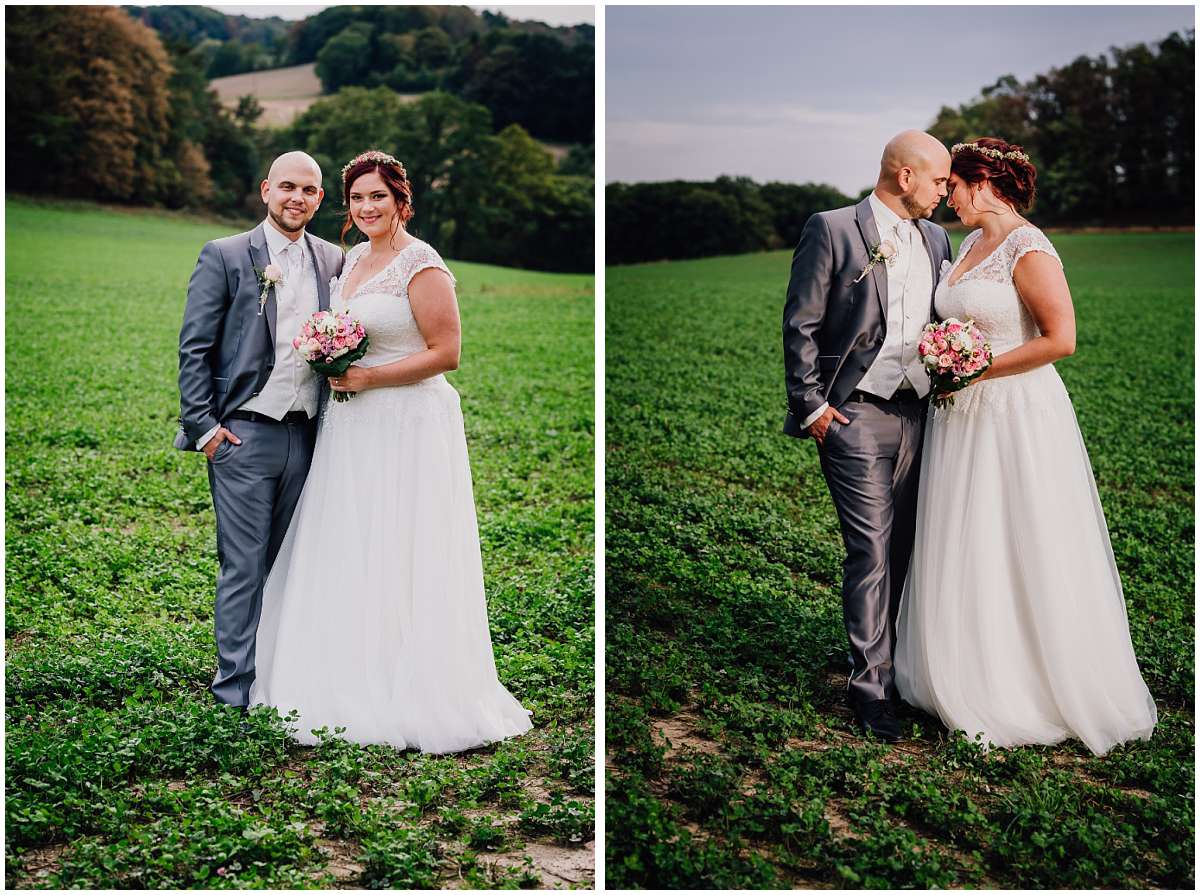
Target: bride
{"type": "Point", "coordinates": [373, 615]}
{"type": "Point", "coordinates": [1012, 622]}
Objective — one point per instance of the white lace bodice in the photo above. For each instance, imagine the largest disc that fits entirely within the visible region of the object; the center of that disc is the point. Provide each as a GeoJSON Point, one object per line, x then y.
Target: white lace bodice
{"type": "Point", "coordinates": [381, 303]}
{"type": "Point", "coordinates": [987, 294]}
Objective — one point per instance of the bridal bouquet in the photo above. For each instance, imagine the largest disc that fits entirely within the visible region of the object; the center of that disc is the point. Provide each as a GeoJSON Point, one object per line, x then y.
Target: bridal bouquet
{"type": "Point", "coordinates": [954, 353]}
{"type": "Point", "coordinates": [331, 343]}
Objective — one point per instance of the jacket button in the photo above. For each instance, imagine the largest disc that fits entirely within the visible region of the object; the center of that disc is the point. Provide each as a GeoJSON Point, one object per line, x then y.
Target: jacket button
{"type": "Point", "coordinates": [863, 368]}
{"type": "Point", "coordinates": [255, 395]}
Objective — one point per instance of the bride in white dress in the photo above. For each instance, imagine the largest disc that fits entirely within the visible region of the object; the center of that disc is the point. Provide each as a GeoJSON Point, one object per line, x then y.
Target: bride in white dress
{"type": "Point", "coordinates": [1012, 623]}
{"type": "Point", "coordinates": [373, 616]}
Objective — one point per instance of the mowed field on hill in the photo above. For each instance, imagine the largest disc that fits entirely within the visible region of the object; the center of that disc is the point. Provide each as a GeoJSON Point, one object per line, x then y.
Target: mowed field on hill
{"type": "Point", "coordinates": [286, 93]}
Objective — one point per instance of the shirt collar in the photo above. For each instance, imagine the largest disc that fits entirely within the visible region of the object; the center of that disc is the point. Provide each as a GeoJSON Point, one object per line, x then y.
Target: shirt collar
{"type": "Point", "coordinates": [276, 241]}
{"type": "Point", "coordinates": [885, 219]}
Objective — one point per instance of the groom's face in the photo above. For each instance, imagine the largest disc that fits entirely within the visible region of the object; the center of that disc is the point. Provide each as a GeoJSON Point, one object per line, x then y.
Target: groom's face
{"type": "Point", "coordinates": [925, 188]}
{"type": "Point", "coordinates": [292, 195]}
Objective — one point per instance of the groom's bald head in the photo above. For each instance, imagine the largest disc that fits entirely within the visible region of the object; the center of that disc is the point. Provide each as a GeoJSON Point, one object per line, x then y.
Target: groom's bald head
{"type": "Point", "coordinates": [913, 149]}
{"type": "Point", "coordinates": [914, 171]}
{"type": "Point", "coordinates": [292, 162]}
{"type": "Point", "coordinates": [292, 191]}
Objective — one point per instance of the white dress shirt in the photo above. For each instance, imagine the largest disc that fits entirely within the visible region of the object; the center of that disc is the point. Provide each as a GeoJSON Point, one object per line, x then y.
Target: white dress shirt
{"type": "Point", "coordinates": [292, 384]}
{"type": "Point", "coordinates": [909, 287]}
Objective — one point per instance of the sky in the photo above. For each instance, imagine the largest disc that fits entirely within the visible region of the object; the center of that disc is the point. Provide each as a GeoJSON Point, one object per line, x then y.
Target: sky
{"type": "Point", "coordinates": [811, 94]}
{"type": "Point", "coordinates": [551, 15]}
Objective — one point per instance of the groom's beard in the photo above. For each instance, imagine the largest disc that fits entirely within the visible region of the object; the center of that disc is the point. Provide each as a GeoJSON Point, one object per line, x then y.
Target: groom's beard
{"type": "Point", "coordinates": [915, 209]}
{"type": "Point", "coordinates": [284, 225]}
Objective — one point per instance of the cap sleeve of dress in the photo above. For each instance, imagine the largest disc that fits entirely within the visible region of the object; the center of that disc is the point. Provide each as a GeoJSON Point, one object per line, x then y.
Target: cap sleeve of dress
{"type": "Point", "coordinates": [1026, 240]}
{"type": "Point", "coordinates": [422, 257]}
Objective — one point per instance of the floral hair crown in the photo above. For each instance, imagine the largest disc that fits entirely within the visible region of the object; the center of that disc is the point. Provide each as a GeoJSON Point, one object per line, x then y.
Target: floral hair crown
{"type": "Point", "coordinates": [372, 155]}
{"type": "Point", "coordinates": [991, 153]}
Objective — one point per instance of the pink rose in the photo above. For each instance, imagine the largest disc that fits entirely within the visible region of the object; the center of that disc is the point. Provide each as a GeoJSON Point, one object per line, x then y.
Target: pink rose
{"type": "Point", "coordinates": [272, 273]}
{"type": "Point", "coordinates": [945, 360]}
{"type": "Point", "coordinates": [953, 327]}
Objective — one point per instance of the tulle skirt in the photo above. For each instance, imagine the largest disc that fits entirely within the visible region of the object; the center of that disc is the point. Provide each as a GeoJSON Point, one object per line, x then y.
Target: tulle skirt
{"type": "Point", "coordinates": [1012, 622]}
{"type": "Point", "coordinates": [373, 615]}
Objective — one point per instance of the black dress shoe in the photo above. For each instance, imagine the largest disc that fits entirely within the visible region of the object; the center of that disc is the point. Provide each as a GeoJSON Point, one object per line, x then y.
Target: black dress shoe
{"type": "Point", "coordinates": [876, 717]}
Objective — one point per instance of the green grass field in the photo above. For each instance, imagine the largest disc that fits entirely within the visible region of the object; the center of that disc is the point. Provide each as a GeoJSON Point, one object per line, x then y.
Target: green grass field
{"type": "Point", "coordinates": [120, 770]}
{"type": "Point", "coordinates": [733, 760]}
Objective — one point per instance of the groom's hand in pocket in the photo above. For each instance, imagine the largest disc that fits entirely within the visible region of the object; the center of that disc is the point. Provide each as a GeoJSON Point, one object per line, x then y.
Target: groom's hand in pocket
{"type": "Point", "coordinates": [210, 446]}
{"type": "Point", "coordinates": [820, 426]}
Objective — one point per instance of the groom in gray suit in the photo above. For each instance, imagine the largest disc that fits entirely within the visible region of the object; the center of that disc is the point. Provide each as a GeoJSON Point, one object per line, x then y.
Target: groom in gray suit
{"type": "Point", "coordinates": [248, 401]}
{"type": "Point", "coordinates": [860, 292]}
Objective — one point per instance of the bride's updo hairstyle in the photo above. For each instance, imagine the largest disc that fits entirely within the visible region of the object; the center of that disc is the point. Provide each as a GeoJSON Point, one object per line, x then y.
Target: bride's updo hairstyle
{"type": "Point", "coordinates": [392, 173]}
{"type": "Point", "coordinates": [1005, 165]}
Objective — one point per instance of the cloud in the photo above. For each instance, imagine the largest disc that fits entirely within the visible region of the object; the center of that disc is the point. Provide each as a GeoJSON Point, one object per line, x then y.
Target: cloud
{"type": "Point", "coordinates": [781, 141]}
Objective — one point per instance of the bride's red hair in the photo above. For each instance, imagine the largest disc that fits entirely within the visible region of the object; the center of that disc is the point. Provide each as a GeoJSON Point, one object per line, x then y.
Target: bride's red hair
{"type": "Point", "coordinates": [1014, 180]}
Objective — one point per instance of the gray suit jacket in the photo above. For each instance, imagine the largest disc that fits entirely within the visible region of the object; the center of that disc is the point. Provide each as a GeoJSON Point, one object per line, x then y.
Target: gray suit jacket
{"type": "Point", "coordinates": [833, 328]}
{"type": "Point", "coordinates": [226, 348]}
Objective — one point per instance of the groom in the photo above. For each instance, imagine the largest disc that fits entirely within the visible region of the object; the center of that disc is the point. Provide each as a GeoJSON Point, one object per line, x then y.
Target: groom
{"type": "Point", "coordinates": [860, 292]}
{"type": "Point", "coordinates": [249, 401]}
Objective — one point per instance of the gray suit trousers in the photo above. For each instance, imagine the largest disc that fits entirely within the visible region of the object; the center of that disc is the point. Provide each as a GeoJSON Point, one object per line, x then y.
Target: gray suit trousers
{"type": "Point", "coordinates": [255, 487]}
{"type": "Point", "coordinates": [872, 467]}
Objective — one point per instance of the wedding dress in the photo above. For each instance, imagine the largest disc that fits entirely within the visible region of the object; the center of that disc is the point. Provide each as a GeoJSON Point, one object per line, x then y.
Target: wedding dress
{"type": "Point", "coordinates": [373, 616]}
{"type": "Point", "coordinates": [1012, 622]}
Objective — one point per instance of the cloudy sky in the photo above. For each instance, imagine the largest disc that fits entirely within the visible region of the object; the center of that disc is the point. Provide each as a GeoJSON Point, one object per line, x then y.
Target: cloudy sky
{"type": "Point", "coordinates": [551, 15]}
{"type": "Point", "coordinates": [812, 93]}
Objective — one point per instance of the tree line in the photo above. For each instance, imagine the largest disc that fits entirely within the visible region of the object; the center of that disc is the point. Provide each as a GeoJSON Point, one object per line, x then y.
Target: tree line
{"type": "Point", "coordinates": [524, 72]}
{"type": "Point", "coordinates": [542, 80]}
{"type": "Point", "coordinates": [117, 116]}
{"type": "Point", "coordinates": [1111, 136]}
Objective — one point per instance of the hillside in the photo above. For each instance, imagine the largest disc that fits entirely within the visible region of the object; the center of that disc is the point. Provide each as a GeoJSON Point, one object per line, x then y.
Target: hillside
{"type": "Point", "coordinates": [122, 772]}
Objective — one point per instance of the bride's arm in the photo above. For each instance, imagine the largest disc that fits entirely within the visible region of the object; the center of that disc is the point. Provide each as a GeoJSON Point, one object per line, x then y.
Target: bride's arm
{"type": "Point", "coordinates": [1043, 288]}
{"type": "Point", "coordinates": [431, 296]}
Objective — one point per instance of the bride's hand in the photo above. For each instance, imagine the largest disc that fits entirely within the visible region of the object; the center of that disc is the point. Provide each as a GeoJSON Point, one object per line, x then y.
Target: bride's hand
{"type": "Point", "coordinates": [355, 379]}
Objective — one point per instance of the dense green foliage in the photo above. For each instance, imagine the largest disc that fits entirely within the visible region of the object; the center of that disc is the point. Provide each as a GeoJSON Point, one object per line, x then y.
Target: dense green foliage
{"type": "Point", "coordinates": [478, 195]}
{"type": "Point", "coordinates": [121, 772]}
{"type": "Point", "coordinates": [524, 73]}
{"type": "Point", "coordinates": [728, 216]}
{"type": "Point", "coordinates": [227, 44]}
{"type": "Point", "coordinates": [734, 759]}
{"type": "Point", "coordinates": [118, 116]}
{"type": "Point", "coordinates": [1112, 135]}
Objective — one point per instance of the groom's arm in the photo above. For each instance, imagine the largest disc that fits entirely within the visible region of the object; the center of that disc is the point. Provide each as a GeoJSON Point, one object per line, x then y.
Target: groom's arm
{"type": "Point", "coordinates": [202, 318]}
{"type": "Point", "coordinates": [803, 313]}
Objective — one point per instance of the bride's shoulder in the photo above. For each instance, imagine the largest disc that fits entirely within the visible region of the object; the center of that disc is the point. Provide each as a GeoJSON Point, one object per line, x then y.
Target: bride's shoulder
{"type": "Point", "coordinates": [419, 255]}
{"type": "Point", "coordinates": [1028, 238]}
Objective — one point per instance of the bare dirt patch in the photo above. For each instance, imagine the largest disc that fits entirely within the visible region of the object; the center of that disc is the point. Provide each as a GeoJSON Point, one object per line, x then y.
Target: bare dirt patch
{"type": "Point", "coordinates": [680, 733]}
{"type": "Point", "coordinates": [341, 861]}
{"type": "Point", "coordinates": [557, 867]}
{"type": "Point", "coordinates": [16, 641]}
{"type": "Point", "coordinates": [39, 863]}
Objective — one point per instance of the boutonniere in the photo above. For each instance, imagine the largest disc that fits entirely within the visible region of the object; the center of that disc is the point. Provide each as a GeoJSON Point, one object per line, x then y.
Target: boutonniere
{"type": "Point", "coordinates": [884, 253]}
{"type": "Point", "coordinates": [268, 276]}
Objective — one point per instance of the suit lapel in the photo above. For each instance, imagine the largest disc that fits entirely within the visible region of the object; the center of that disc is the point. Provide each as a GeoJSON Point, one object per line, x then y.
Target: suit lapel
{"type": "Point", "coordinates": [935, 266]}
{"type": "Point", "coordinates": [260, 257]}
{"type": "Point", "coordinates": [322, 280]}
{"type": "Point", "coordinates": [870, 235]}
